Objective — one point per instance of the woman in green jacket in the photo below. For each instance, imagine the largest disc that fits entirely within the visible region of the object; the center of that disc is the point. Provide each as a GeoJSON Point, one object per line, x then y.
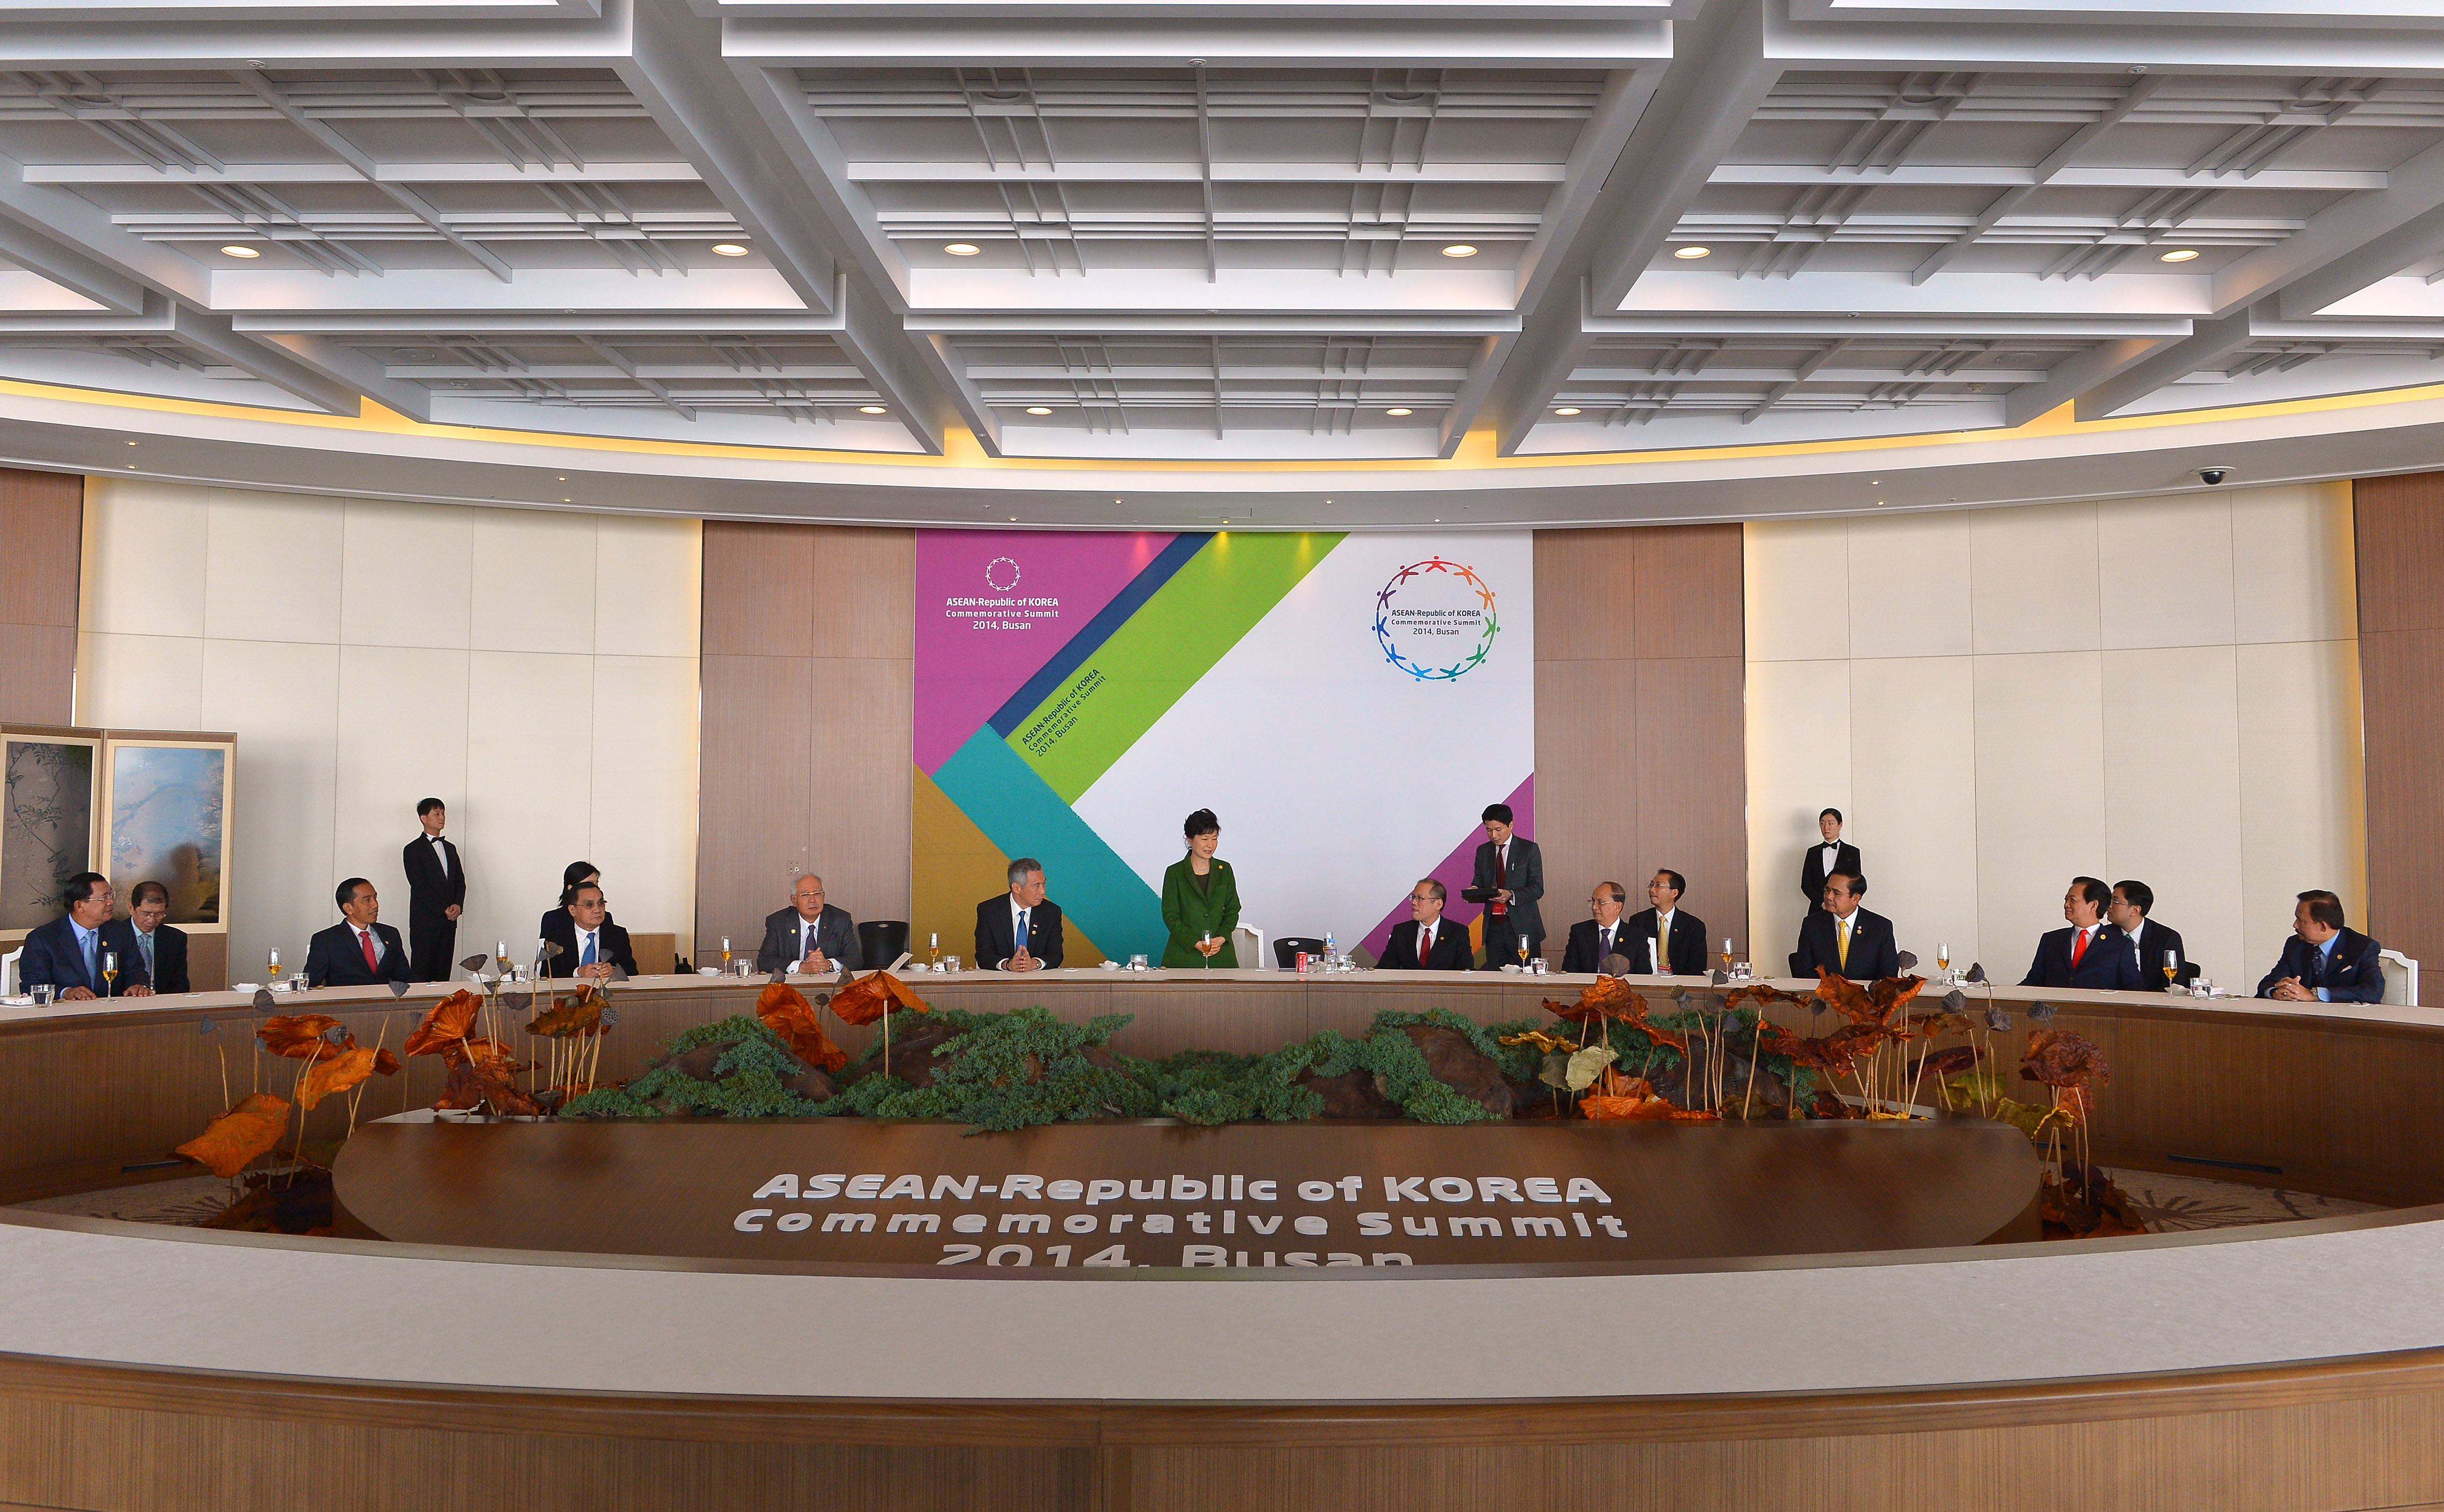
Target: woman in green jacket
{"type": "Point", "coordinates": [1200, 901]}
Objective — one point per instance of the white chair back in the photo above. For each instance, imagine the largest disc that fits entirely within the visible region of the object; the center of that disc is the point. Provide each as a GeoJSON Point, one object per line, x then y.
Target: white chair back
{"type": "Point", "coordinates": [8, 971]}
{"type": "Point", "coordinates": [2400, 978]}
{"type": "Point", "coordinates": [1249, 942]}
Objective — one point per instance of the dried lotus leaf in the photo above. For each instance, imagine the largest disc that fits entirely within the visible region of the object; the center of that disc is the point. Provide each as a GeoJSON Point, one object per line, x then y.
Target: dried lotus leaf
{"type": "Point", "coordinates": [785, 1011]}
{"type": "Point", "coordinates": [232, 1141]}
{"type": "Point", "coordinates": [865, 998]}
{"type": "Point", "coordinates": [300, 1036]}
{"type": "Point", "coordinates": [445, 1023]}
{"type": "Point", "coordinates": [1555, 1072]}
{"type": "Point", "coordinates": [1587, 1065]}
{"type": "Point", "coordinates": [2060, 1057]}
{"type": "Point", "coordinates": [580, 1013]}
{"type": "Point", "coordinates": [338, 1075]}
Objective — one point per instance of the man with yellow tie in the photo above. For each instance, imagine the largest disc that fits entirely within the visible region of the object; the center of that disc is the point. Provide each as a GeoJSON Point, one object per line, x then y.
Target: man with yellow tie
{"type": "Point", "coordinates": [1846, 938]}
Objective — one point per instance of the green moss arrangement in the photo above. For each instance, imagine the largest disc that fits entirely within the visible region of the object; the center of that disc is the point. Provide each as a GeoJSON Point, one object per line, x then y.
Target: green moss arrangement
{"type": "Point", "coordinates": [1004, 1071]}
{"type": "Point", "coordinates": [747, 1080]}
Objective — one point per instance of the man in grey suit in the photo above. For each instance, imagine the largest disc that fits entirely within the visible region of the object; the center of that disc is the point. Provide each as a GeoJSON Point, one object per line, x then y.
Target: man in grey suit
{"type": "Point", "coordinates": [809, 933]}
{"type": "Point", "coordinates": [1510, 878]}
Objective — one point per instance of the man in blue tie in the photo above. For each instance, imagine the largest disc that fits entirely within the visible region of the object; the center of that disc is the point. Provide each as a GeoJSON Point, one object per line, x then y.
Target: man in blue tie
{"type": "Point", "coordinates": [2323, 961]}
{"type": "Point", "coordinates": [592, 948]}
{"type": "Point", "coordinates": [1019, 931]}
{"type": "Point", "coordinates": [66, 953]}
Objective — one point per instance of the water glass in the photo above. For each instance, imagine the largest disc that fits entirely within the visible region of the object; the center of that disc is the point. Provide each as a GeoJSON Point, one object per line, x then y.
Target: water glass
{"type": "Point", "coordinates": [1138, 961]}
{"type": "Point", "coordinates": [950, 963]}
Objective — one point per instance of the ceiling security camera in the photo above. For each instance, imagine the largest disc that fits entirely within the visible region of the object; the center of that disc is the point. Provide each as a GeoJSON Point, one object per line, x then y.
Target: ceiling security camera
{"type": "Point", "coordinates": [2210, 476]}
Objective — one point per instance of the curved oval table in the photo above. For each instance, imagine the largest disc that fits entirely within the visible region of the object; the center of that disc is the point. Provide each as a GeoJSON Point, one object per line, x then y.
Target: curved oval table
{"type": "Point", "coordinates": [2294, 1365]}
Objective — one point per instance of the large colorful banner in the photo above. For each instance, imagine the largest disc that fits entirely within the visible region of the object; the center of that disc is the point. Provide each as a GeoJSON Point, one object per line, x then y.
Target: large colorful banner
{"type": "Point", "coordinates": [1346, 703]}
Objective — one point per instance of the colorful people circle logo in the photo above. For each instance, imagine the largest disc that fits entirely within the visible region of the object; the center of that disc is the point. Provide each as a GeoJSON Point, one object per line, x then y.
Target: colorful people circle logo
{"type": "Point", "coordinates": [998, 569]}
{"type": "Point", "coordinates": [1435, 621]}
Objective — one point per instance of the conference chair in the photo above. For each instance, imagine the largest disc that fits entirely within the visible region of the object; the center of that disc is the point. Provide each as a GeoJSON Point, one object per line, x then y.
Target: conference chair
{"type": "Point", "coordinates": [2400, 978]}
{"type": "Point", "coordinates": [8, 971]}
{"type": "Point", "coordinates": [881, 941]}
{"type": "Point", "coordinates": [1286, 949]}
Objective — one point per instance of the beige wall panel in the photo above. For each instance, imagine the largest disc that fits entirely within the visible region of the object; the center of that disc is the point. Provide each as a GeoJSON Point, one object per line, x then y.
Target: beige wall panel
{"type": "Point", "coordinates": [1594, 572]}
{"type": "Point", "coordinates": [2292, 563]}
{"type": "Point", "coordinates": [139, 682]}
{"type": "Point", "coordinates": [282, 698]}
{"type": "Point", "coordinates": [38, 673]}
{"type": "Point", "coordinates": [1690, 800]}
{"type": "Point", "coordinates": [2033, 578]}
{"type": "Point", "coordinates": [1798, 595]}
{"type": "Point", "coordinates": [144, 554]}
{"type": "Point", "coordinates": [649, 580]}
{"type": "Point", "coordinates": [271, 568]}
{"type": "Point", "coordinates": [1798, 765]}
{"type": "Point", "coordinates": [1913, 786]}
{"type": "Point", "coordinates": [864, 593]}
{"type": "Point", "coordinates": [641, 754]}
{"type": "Point", "coordinates": [1909, 585]}
{"type": "Point", "coordinates": [2172, 753]}
{"type": "Point", "coordinates": [408, 575]}
{"type": "Point", "coordinates": [754, 799]}
{"type": "Point", "coordinates": [2300, 784]}
{"type": "Point", "coordinates": [1683, 584]}
{"type": "Point", "coordinates": [2040, 731]}
{"type": "Point", "coordinates": [861, 778]}
{"type": "Point", "coordinates": [2165, 569]}
{"type": "Point", "coordinates": [764, 599]}
{"type": "Point", "coordinates": [534, 580]}
{"type": "Point", "coordinates": [530, 787]}
{"type": "Point", "coordinates": [388, 760]}
{"type": "Point", "coordinates": [1585, 724]}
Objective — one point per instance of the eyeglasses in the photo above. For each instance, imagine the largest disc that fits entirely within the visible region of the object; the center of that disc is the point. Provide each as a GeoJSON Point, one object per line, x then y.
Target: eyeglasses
{"type": "Point", "coordinates": [1423, 897]}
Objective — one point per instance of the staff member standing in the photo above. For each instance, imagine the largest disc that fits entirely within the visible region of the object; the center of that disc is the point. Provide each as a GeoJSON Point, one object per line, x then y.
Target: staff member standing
{"type": "Point", "coordinates": [437, 893]}
{"type": "Point", "coordinates": [1200, 901]}
{"type": "Point", "coordinates": [1510, 878]}
{"type": "Point", "coordinates": [1823, 860]}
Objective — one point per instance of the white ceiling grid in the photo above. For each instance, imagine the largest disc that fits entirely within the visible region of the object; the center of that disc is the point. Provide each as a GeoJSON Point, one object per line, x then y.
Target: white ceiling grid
{"type": "Point", "coordinates": [1225, 231]}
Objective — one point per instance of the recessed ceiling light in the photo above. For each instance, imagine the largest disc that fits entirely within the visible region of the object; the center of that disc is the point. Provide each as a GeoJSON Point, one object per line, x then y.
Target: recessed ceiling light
{"type": "Point", "coordinates": [729, 250]}
{"type": "Point", "coordinates": [872, 409]}
{"type": "Point", "coordinates": [1567, 409]}
{"type": "Point", "coordinates": [1693, 254]}
{"type": "Point", "coordinates": [235, 251]}
{"type": "Point", "coordinates": [131, 443]}
{"type": "Point", "coordinates": [1459, 250]}
{"type": "Point", "coordinates": [2182, 255]}
{"type": "Point", "coordinates": [1396, 412]}
{"type": "Point", "coordinates": [962, 248]}
{"type": "Point", "coordinates": [1039, 409]}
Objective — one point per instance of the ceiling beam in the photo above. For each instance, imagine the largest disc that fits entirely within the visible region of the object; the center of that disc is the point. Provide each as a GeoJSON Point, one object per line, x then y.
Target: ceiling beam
{"type": "Point", "coordinates": [1705, 101]}
{"type": "Point", "coordinates": [2075, 375]}
{"type": "Point", "coordinates": [2212, 343]}
{"type": "Point", "coordinates": [2007, 176]}
{"type": "Point", "coordinates": [390, 172]}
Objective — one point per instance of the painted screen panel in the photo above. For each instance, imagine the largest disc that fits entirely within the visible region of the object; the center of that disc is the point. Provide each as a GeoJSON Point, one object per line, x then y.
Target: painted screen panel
{"type": "Point", "coordinates": [47, 830]}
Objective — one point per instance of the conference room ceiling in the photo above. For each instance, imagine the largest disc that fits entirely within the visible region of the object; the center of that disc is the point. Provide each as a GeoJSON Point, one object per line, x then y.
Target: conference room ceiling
{"type": "Point", "coordinates": [1228, 232]}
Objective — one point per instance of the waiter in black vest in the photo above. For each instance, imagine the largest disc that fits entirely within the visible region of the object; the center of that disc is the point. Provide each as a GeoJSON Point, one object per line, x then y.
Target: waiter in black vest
{"type": "Point", "coordinates": [1823, 860]}
{"type": "Point", "coordinates": [436, 895]}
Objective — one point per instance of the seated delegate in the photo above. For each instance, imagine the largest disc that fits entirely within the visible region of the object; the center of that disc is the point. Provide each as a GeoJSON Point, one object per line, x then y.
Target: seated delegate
{"type": "Point", "coordinates": [810, 935]}
{"type": "Point", "coordinates": [1426, 941]}
{"type": "Point", "coordinates": [1845, 938]}
{"type": "Point", "coordinates": [360, 951]}
{"type": "Point", "coordinates": [1593, 941]}
{"type": "Point", "coordinates": [2090, 955]}
{"type": "Point", "coordinates": [1019, 931]}
{"type": "Point", "coordinates": [2323, 961]}
{"type": "Point", "coordinates": [66, 953]}
{"type": "Point", "coordinates": [592, 948]}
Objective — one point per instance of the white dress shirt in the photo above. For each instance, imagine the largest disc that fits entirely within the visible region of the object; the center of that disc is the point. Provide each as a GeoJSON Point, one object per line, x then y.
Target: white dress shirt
{"type": "Point", "coordinates": [440, 853]}
{"type": "Point", "coordinates": [584, 938]}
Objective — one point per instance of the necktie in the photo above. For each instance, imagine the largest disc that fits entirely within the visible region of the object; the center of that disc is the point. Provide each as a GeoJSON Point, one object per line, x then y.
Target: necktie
{"type": "Point", "coordinates": [1841, 927]}
{"type": "Point", "coordinates": [1021, 929]}
{"type": "Point", "coordinates": [2316, 959]}
{"type": "Point", "coordinates": [1662, 947]}
{"type": "Point", "coordinates": [1425, 943]}
{"type": "Point", "coordinates": [1498, 908]}
{"type": "Point", "coordinates": [365, 938]}
{"type": "Point", "coordinates": [144, 943]}
{"type": "Point", "coordinates": [586, 956]}
{"type": "Point", "coordinates": [92, 961]}
{"type": "Point", "coordinates": [1601, 954]}
{"type": "Point", "coordinates": [2078, 948]}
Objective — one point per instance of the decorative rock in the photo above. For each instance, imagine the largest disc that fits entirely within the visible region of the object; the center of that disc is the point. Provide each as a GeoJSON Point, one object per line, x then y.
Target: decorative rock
{"type": "Point", "coordinates": [1461, 1067]}
{"type": "Point", "coordinates": [1350, 1095]}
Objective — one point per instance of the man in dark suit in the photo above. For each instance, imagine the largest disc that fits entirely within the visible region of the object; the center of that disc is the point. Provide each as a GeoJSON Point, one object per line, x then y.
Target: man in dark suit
{"type": "Point", "coordinates": [1821, 861]}
{"type": "Point", "coordinates": [1510, 878]}
{"type": "Point", "coordinates": [1019, 931]}
{"type": "Point", "coordinates": [66, 953]}
{"type": "Point", "coordinates": [1683, 951]}
{"type": "Point", "coordinates": [2149, 940]}
{"type": "Point", "coordinates": [150, 952]}
{"type": "Point", "coordinates": [2324, 962]}
{"type": "Point", "coordinates": [592, 948]}
{"type": "Point", "coordinates": [1426, 941]}
{"type": "Point", "coordinates": [437, 893]}
{"type": "Point", "coordinates": [1594, 940]}
{"type": "Point", "coordinates": [2089, 955]}
{"type": "Point", "coordinates": [1845, 938]}
{"type": "Point", "coordinates": [360, 951]}
{"type": "Point", "coordinates": [809, 934]}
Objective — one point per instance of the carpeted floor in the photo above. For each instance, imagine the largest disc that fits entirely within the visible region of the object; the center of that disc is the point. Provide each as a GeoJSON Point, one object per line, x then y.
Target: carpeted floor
{"type": "Point", "coordinates": [2166, 1203]}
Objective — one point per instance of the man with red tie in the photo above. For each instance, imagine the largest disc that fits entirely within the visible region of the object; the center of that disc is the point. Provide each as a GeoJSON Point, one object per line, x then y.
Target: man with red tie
{"type": "Point", "coordinates": [2090, 955]}
{"type": "Point", "coordinates": [358, 950]}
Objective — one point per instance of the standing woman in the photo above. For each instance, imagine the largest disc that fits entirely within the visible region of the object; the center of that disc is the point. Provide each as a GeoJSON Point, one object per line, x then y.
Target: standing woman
{"type": "Point", "coordinates": [1200, 898]}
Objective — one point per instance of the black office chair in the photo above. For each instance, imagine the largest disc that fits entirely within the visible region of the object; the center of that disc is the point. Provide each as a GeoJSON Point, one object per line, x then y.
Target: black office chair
{"type": "Point", "coordinates": [2187, 974]}
{"type": "Point", "coordinates": [881, 940]}
{"type": "Point", "coordinates": [1794, 964]}
{"type": "Point", "coordinates": [1286, 949]}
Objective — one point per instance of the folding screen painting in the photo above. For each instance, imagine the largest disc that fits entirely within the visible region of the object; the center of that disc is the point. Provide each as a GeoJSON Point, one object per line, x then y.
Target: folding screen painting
{"type": "Point", "coordinates": [1346, 705]}
{"type": "Point", "coordinates": [46, 826]}
{"type": "Point", "coordinates": [165, 812]}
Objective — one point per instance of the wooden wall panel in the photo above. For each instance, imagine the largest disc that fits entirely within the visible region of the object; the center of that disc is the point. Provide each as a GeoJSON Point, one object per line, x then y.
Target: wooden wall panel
{"type": "Point", "coordinates": [2399, 529]}
{"type": "Point", "coordinates": [41, 535]}
{"type": "Point", "coordinates": [806, 727]}
{"type": "Point", "coordinates": [1640, 744]}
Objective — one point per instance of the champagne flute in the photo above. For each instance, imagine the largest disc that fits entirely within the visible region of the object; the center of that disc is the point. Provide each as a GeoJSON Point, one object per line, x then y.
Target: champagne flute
{"type": "Point", "coordinates": [1727, 957]}
{"type": "Point", "coordinates": [934, 945]}
{"type": "Point", "coordinates": [109, 970]}
{"type": "Point", "coordinates": [1523, 952]}
{"type": "Point", "coordinates": [2171, 965]}
{"type": "Point", "coordinates": [1943, 962]}
{"type": "Point", "coordinates": [272, 964]}
{"type": "Point", "coordinates": [725, 956]}
{"type": "Point", "coordinates": [500, 954]}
